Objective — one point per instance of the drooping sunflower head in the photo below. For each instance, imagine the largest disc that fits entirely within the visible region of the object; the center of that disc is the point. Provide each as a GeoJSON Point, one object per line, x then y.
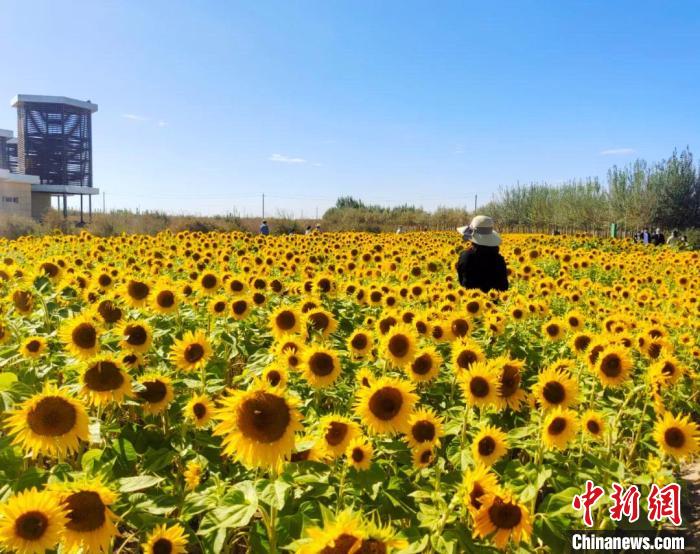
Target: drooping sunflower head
{"type": "Point", "coordinates": [81, 337]}
{"type": "Point", "coordinates": [398, 346]}
{"type": "Point", "coordinates": [385, 406]}
{"type": "Point", "coordinates": [258, 426]}
{"type": "Point", "coordinates": [559, 428]}
{"type": "Point", "coordinates": [425, 366]}
{"type": "Point", "coordinates": [555, 387]}
{"type": "Point", "coordinates": [135, 335]}
{"type": "Point", "coordinates": [613, 366]}
{"type": "Point", "coordinates": [509, 378]}
{"type": "Point", "coordinates": [479, 384]}
{"type": "Point", "coordinates": [677, 436]}
{"type": "Point", "coordinates": [477, 483]}
{"type": "Point", "coordinates": [166, 540]}
{"type": "Point", "coordinates": [22, 300]}
{"type": "Point", "coordinates": [336, 433]}
{"type": "Point", "coordinates": [104, 380]}
{"type": "Point", "coordinates": [424, 428]}
{"type": "Point", "coordinates": [466, 352]}
{"type": "Point", "coordinates": [320, 366]}
{"type": "Point", "coordinates": [199, 410]}
{"type": "Point", "coordinates": [191, 352]}
{"type": "Point", "coordinates": [31, 521]}
{"type": "Point", "coordinates": [489, 445]}
{"type": "Point", "coordinates": [155, 392]}
{"type": "Point", "coordinates": [91, 524]}
{"type": "Point", "coordinates": [423, 455]}
{"type": "Point", "coordinates": [50, 422]}
{"type": "Point", "coordinates": [504, 519]}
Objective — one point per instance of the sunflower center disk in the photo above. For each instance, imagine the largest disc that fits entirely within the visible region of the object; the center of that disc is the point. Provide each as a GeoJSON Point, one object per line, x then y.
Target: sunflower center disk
{"type": "Point", "coordinates": [505, 515]}
{"type": "Point", "coordinates": [33, 346]}
{"type": "Point", "coordinates": [341, 545]}
{"type": "Point", "coordinates": [208, 281]}
{"type": "Point", "coordinates": [84, 335]}
{"type": "Point", "coordinates": [557, 426]}
{"type": "Point", "coordinates": [286, 320]}
{"type": "Point", "coordinates": [239, 307]}
{"type": "Point", "coordinates": [674, 437]}
{"type": "Point", "coordinates": [162, 546]}
{"type": "Point", "coordinates": [510, 381]}
{"type": "Point", "coordinates": [22, 300]}
{"type": "Point", "coordinates": [465, 359]}
{"type": "Point", "coordinates": [422, 365]}
{"type": "Point", "coordinates": [109, 312]}
{"type": "Point", "coordinates": [273, 377]}
{"type": "Point", "coordinates": [319, 321]}
{"type": "Point", "coordinates": [593, 427]}
{"type": "Point", "coordinates": [386, 403]}
{"type": "Point", "coordinates": [154, 393]}
{"type": "Point", "coordinates": [31, 525]}
{"type": "Point", "coordinates": [336, 433]}
{"type": "Point", "coordinates": [321, 364]}
{"type": "Point", "coordinates": [264, 418]}
{"type": "Point", "coordinates": [136, 335]}
{"type": "Point", "coordinates": [399, 346]}
{"type": "Point", "coordinates": [165, 299]}
{"type": "Point", "coordinates": [86, 511]}
{"type": "Point", "coordinates": [554, 392]}
{"type": "Point", "coordinates": [358, 455]}
{"type": "Point", "coordinates": [138, 290]}
{"type": "Point", "coordinates": [52, 417]}
{"type": "Point", "coordinates": [611, 366]}
{"type": "Point", "coordinates": [193, 353]}
{"type": "Point", "coordinates": [103, 376]}
{"type": "Point", "coordinates": [359, 342]}
{"type": "Point", "coordinates": [423, 431]}
{"type": "Point", "coordinates": [199, 410]}
{"type": "Point", "coordinates": [486, 446]}
{"type": "Point", "coordinates": [479, 387]}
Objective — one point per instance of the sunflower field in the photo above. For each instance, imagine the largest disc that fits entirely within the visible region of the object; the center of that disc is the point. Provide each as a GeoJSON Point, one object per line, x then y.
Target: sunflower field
{"type": "Point", "coordinates": [335, 393]}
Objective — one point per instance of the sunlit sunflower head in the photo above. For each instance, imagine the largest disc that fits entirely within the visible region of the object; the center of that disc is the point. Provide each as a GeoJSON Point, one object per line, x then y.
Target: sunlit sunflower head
{"type": "Point", "coordinates": [336, 433]}
{"type": "Point", "coordinates": [321, 322]}
{"type": "Point", "coordinates": [479, 385]}
{"type": "Point", "coordinates": [91, 524]}
{"type": "Point", "coordinates": [656, 348]}
{"type": "Point", "coordinates": [555, 387]}
{"type": "Point", "coordinates": [50, 422]}
{"type": "Point", "coordinates": [477, 483]}
{"type": "Point", "coordinates": [275, 375]}
{"type": "Point", "coordinates": [241, 308]}
{"type": "Point", "coordinates": [108, 311]}
{"type": "Point", "coordinates": [509, 378]}
{"type": "Point", "coordinates": [31, 522]}
{"type": "Point", "coordinates": [208, 282]}
{"type": "Point", "coordinates": [580, 342]}
{"type": "Point", "coordinates": [424, 428]}
{"type": "Point", "coordinates": [489, 445]}
{"type": "Point", "coordinates": [465, 353]}
{"type": "Point", "coordinates": [193, 475]}
{"type": "Point", "coordinates": [423, 455]}
{"type": "Point", "coordinates": [342, 535]}
{"type": "Point", "coordinates": [164, 299]}
{"type": "Point", "coordinates": [613, 366]}
{"type": "Point", "coordinates": [575, 320]}
{"type": "Point", "coordinates": [258, 426]}
{"type": "Point", "coordinates": [502, 518]}
{"type": "Point", "coordinates": [667, 368]}
{"type": "Point", "coordinates": [425, 366]}
{"type": "Point", "coordinates": [104, 380]}
{"type": "Point", "coordinates": [559, 428]}
{"type": "Point", "coordinates": [33, 347]}
{"type": "Point", "coordinates": [554, 329]}
{"type": "Point", "coordinates": [218, 306]}
{"type": "Point", "coordinates": [22, 300]}
{"type": "Point", "coordinates": [166, 540]}
{"type": "Point", "coordinates": [360, 343]}
{"type": "Point", "coordinates": [191, 352]}
{"type": "Point", "coordinates": [155, 392]}
{"type": "Point", "coordinates": [380, 538]}
{"type": "Point", "coordinates": [677, 436]}
{"type": "Point", "coordinates": [199, 410]}
{"type": "Point", "coordinates": [386, 405]}
{"type": "Point", "coordinates": [135, 335]}
{"type": "Point", "coordinates": [593, 424]}
{"type": "Point", "coordinates": [136, 292]}
{"type": "Point", "coordinates": [81, 337]}
{"type": "Point", "coordinates": [131, 360]}
{"type": "Point", "coordinates": [359, 453]}
{"type": "Point", "coordinates": [460, 327]}
{"type": "Point", "coordinates": [320, 366]}
{"type": "Point", "coordinates": [398, 346]}
{"type": "Point", "coordinates": [285, 320]}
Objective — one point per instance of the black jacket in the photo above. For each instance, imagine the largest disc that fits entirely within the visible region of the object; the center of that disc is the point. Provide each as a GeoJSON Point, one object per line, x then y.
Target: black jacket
{"type": "Point", "coordinates": [482, 267]}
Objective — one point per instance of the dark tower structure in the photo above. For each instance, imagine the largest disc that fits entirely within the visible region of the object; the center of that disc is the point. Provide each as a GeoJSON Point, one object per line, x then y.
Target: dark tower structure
{"type": "Point", "coordinates": [5, 136]}
{"type": "Point", "coordinates": [54, 142]}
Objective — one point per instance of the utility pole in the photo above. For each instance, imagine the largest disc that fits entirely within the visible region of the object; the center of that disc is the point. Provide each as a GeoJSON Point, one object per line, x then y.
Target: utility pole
{"type": "Point", "coordinates": [316, 213]}
{"type": "Point", "coordinates": [263, 206]}
{"type": "Point", "coordinates": [103, 202]}
{"type": "Point", "coordinates": [475, 204]}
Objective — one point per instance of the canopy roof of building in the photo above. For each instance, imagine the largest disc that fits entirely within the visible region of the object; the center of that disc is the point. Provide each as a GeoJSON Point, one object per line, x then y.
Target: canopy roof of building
{"type": "Point", "coordinates": [22, 98]}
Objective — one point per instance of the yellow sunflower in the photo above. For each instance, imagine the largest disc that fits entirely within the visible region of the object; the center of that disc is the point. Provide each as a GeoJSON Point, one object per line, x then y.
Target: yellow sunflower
{"type": "Point", "coordinates": [509, 392]}
{"type": "Point", "coordinates": [424, 427]}
{"type": "Point", "coordinates": [258, 426]}
{"type": "Point", "coordinates": [193, 475]}
{"type": "Point", "coordinates": [241, 308]}
{"type": "Point", "coordinates": [385, 406]}
{"type": "Point", "coordinates": [164, 299]}
{"type": "Point", "coordinates": [321, 321]}
{"type": "Point", "coordinates": [199, 410]}
{"type": "Point", "coordinates": [465, 353]}
{"type": "Point", "coordinates": [359, 453]}
{"type": "Point", "coordinates": [360, 343]}
{"type": "Point", "coordinates": [336, 433]}
{"type": "Point", "coordinates": [398, 346]}
{"type": "Point", "coordinates": [31, 522]}
{"type": "Point", "coordinates": [50, 422]}
{"type": "Point", "coordinates": [166, 539]}
{"type": "Point", "coordinates": [555, 387]}
{"type": "Point", "coordinates": [364, 377]}
{"type": "Point", "coordinates": [81, 337]}
{"type": "Point", "coordinates": [593, 424]}
{"type": "Point", "coordinates": [479, 385]}
{"type": "Point", "coordinates": [677, 436]}
{"type": "Point", "coordinates": [489, 445]}
{"type": "Point", "coordinates": [285, 320]}
{"type": "Point", "coordinates": [342, 535]}
{"type": "Point", "coordinates": [191, 352]}
{"type": "Point", "coordinates": [503, 519]}
{"type": "Point", "coordinates": [135, 335]}
{"type": "Point", "coordinates": [155, 392]}
{"type": "Point", "coordinates": [104, 381]}
{"type": "Point", "coordinates": [320, 366]}
{"type": "Point", "coordinates": [33, 347]}
{"type": "Point", "coordinates": [559, 428]}
{"type": "Point", "coordinates": [425, 366]}
{"type": "Point", "coordinates": [423, 455]}
{"type": "Point", "coordinates": [554, 329]}
{"type": "Point", "coordinates": [477, 483]}
{"type": "Point", "coordinates": [613, 366]}
{"type": "Point", "coordinates": [275, 376]}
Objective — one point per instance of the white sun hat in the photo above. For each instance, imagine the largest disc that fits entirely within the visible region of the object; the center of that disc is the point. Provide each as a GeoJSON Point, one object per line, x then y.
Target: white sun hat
{"type": "Point", "coordinates": [483, 233]}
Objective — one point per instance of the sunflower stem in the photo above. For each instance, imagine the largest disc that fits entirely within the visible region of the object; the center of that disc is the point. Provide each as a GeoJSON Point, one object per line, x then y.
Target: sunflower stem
{"type": "Point", "coordinates": [638, 432]}
{"type": "Point", "coordinates": [341, 488]}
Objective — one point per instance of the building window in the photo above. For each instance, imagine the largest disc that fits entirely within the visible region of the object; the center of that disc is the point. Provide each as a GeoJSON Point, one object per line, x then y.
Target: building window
{"type": "Point", "coordinates": [10, 199]}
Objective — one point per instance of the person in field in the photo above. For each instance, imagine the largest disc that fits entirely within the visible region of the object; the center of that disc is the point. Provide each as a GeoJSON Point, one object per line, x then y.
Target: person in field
{"type": "Point", "coordinates": [264, 228]}
{"type": "Point", "coordinates": [481, 266]}
{"type": "Point", "coordinates": [658, 238]}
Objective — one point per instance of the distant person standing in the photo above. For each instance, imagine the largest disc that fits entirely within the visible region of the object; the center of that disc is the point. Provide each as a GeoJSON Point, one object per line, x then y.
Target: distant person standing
{"type": "Point", "coordinates": [645, 236]}
{"type": "Point", "coordinates": [481, 266]}
{"type": "Point", "coordinates": [658, 238]}
{"type": "Point", "coordinates": [399, 230]}
{"type": "Point", "coordinates": [264, 228]}
{"type": "Point", "coordinates": [318, 227]}
{"type": "Point", "coordinates": [675, 239]}
{"type": "Point", "coordinates": [308, 230]}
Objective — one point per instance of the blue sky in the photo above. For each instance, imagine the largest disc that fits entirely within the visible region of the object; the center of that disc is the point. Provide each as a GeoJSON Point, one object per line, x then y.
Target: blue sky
{"type": "Point", "coordinates": [205, 105]}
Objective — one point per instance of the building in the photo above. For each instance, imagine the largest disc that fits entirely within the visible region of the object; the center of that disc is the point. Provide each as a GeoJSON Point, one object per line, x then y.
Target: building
{"type": "Point", "coordinates": [51, 156]}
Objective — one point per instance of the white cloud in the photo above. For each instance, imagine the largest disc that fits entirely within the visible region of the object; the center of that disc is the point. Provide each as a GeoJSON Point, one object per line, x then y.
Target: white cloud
{"type": "Point", "coordinates": [618, 152]}
{"type": "Point", "coordinates": [286, 159]}
{"type": "Point", "coordinates": [162, 123]}
{"type": "Point", "coordinates": [134, 117]}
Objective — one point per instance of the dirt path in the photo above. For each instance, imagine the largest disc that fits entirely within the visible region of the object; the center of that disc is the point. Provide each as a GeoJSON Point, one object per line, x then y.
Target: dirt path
{"type": "Point", "coordinates": [691, 474]}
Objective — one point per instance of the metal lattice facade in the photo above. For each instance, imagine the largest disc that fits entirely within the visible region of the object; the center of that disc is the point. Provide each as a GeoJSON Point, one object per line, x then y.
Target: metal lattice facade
{"type": "Point", "coordinates": [55, 143]}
